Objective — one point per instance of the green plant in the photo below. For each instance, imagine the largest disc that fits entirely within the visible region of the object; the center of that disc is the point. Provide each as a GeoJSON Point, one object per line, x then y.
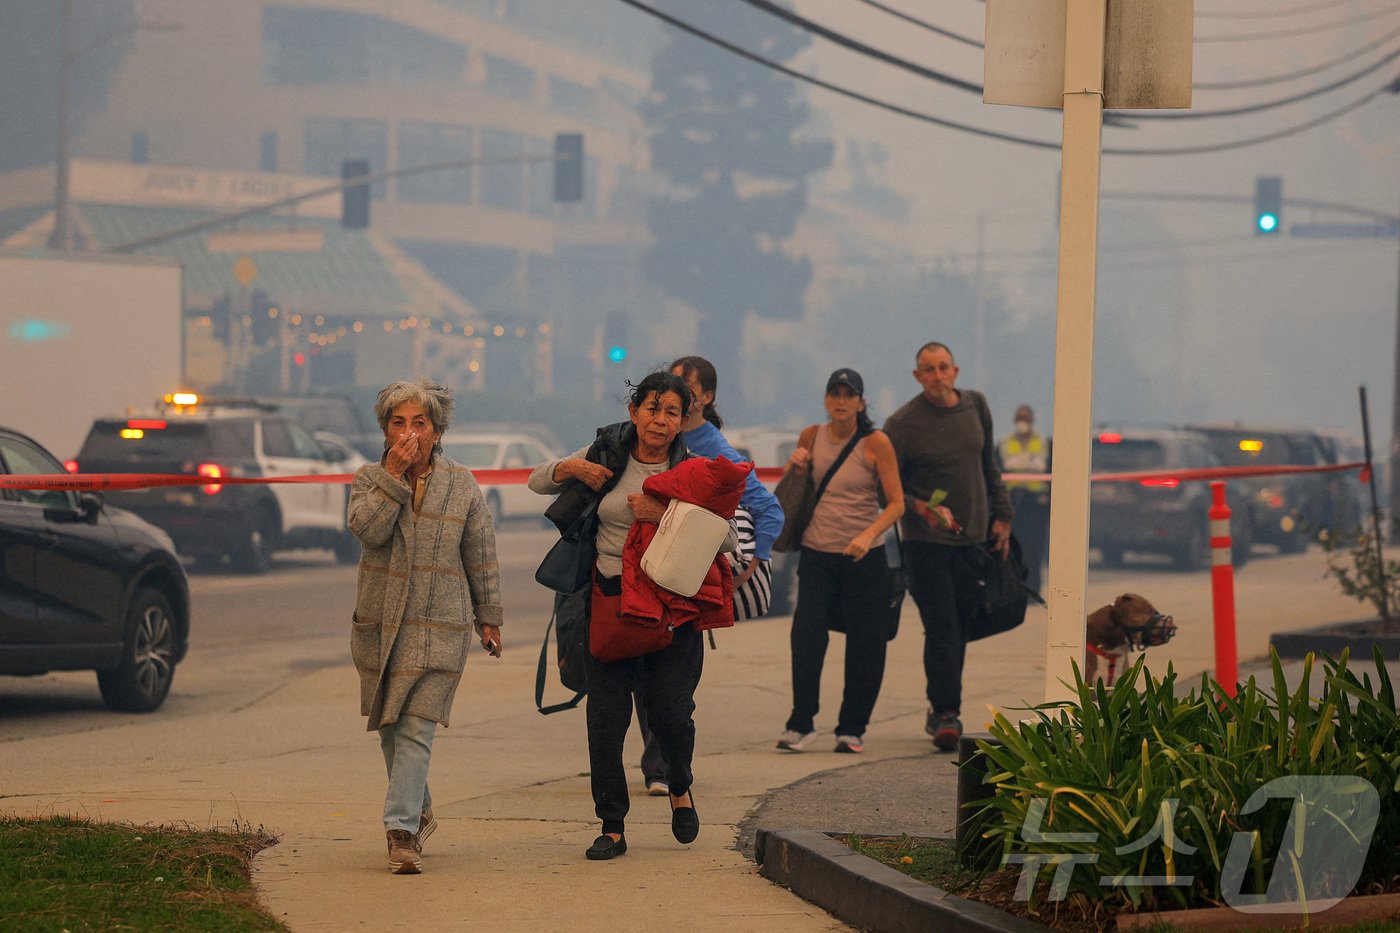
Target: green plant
{"type": "Point", "coordinates": [1356, 564]}
{"type": "Point", "coordinates": [1112, 766]}
{"type": "Point", "coordinates": [61, 873]}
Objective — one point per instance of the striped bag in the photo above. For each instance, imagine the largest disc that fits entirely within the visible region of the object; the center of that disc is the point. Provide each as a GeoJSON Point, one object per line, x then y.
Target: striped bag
{"type": "Point", "coordinates": [751, 600]}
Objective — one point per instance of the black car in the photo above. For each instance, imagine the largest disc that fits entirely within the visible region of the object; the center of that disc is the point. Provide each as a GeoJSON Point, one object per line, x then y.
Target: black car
{"type": "Point", "coordinates": [243, 522]}
{"type": "Point", "coordinates": [85, 586]}
{"type": "Point", "coordinates": [1290, 509]}
{"type": "Point", "coordinates": [1161, 516]}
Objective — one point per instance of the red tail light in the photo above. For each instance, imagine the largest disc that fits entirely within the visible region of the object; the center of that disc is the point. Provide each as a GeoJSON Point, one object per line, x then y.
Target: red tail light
{"type": "Point", "coordinates": [147, 424]}
{"type": "Point", "coordinates": [71, 466]}
{"type": "Point", "coordinates": [1108, 437]}
{"type": "Point", "coordinates": [213, 471]}
{"type": "Point", "coordinates": [1164, 483]}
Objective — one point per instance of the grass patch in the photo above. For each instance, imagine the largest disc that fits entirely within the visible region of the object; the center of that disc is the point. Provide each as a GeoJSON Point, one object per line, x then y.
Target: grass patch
{"type": "Point", "coordinates": [65, 874]}
{"type": "Point", "coordinates": [934, 862]}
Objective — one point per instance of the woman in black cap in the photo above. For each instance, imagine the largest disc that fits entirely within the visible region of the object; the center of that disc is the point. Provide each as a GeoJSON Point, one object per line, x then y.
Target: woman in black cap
{"type": "Point", "coordinates": [842, 572]}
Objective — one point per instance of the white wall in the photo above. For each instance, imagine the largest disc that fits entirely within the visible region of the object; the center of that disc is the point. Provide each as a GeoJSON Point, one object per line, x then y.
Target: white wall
{"type": "Point", "coordinates": [82, 337]}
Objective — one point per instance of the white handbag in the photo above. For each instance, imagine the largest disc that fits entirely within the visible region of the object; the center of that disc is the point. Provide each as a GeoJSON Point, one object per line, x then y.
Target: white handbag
{"type": "Point", "coordinates": [686, 542]}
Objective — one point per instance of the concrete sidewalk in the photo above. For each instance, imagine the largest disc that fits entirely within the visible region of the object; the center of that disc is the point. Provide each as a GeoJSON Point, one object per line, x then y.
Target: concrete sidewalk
{"type": "Point", "coordinates": [512, 794]}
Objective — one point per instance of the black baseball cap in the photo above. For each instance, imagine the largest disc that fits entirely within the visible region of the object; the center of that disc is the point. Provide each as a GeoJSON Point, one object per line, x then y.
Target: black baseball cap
{"type": "Point", "coordinates": [846, 377]}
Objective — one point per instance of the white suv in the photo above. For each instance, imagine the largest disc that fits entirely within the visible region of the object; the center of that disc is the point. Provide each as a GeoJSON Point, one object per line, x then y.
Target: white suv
{"type": "Point", "coordinates": [502, 452]}
{"type": "Point", "coordinates": [244, 523]}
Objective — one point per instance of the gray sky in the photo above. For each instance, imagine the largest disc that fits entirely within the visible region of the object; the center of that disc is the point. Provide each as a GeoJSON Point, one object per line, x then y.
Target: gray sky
{"type": "Point", "coordinates": [1232, 327]}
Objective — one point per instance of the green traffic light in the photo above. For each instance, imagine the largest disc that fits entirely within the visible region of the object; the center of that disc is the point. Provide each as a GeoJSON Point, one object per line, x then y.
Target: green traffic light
{"type": "Point", "coordinates": [1268, 223]}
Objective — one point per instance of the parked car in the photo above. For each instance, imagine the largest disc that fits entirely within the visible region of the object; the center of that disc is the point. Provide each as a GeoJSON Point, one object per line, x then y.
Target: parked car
{"type": "Point", "coordinates": [491, 451]}
{"type": "Point", "coordinates": [244, 523]}
{"type": "Point", "coordinates": [334, 413]}
{"type": "Point", "coordinates": [86, 586]}
{"type": "Point", "coordinates": [1288, 510]}
{"type": "Point", "coordinates": [1160, 516]}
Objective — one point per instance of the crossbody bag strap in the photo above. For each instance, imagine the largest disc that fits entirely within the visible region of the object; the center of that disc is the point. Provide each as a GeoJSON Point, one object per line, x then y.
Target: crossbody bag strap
{"type": "Point", "coordinates": [836, 465]}
{"type": "Point", "coordinates": [540, 677]}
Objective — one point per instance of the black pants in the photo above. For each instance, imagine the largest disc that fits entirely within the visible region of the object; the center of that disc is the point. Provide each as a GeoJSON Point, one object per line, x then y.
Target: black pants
{"type": "Point", "coordinates": [653, 762]}
{"type": "Point", "coordinates": [1032, 530]}
{"type": "Point", "coordinates": [835, 591]}
{"type": "Point", "coordinates": [946, 588]}
{"type": "Point", "coordinates": [665, 682]}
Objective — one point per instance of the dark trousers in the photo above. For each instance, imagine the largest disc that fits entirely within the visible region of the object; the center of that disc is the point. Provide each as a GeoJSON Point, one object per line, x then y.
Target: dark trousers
{"type": "Point", "coordinates": [653, 762]}
{"type": "Point", "coordinates": [946, 588]}
{"type": "Point", "coordinates": [1032, 529]}
{"type": "Point", "coordinates": [834, 591]}
{"type": "Point", "coordinates": [665, 682]}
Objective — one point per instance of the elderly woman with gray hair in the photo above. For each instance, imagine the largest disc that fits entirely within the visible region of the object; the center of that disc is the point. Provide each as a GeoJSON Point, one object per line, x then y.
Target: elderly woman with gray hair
{"type": "Point", "coordinates": [428, 572]}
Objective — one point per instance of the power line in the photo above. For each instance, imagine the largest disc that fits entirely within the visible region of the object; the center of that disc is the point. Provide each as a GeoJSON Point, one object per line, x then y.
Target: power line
{"type": "Point", "coordinates": [1257, 14]}
{"type": "Point", "coordinates": [991, 134]}
{"type": "Point", "coordinates": [841, 39]}
{"type": "Point", "coordinates": [827, 85]}
{"type": "Point", "coordinates": [1278, 79]}
{"type": "Point", "coordinates": [1270, 105]}
{"type": "Point", "coordinates": [1307, 31]}
{"type": "Point", "coordinates": [919, 22]}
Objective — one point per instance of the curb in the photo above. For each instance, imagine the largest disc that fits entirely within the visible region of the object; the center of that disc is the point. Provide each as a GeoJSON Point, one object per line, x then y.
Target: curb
{"type": "Point", "coordinates": [867, 894]}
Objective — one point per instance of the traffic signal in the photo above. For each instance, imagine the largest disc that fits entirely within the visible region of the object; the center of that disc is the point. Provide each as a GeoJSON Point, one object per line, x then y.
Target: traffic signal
{"type": "Point", "coordinates": [219, 313]}
{"type": "Point", "coordinates": [265, 325]}
{"type": "Point", "coordinates": [568, 167]}
{"type": "Point", "coordinates": [354, 199]}
{"type": "Point", "coordinates": [1268, 205]}
{"type": "Point", "coordinates": [615, 342]}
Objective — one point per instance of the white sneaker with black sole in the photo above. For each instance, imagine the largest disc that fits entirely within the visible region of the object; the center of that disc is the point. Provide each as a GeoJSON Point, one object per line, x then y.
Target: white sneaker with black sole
{"type": "Point", "coordinates": [794, 741]}
{"type": "Point", "coordinates": [849, 745]}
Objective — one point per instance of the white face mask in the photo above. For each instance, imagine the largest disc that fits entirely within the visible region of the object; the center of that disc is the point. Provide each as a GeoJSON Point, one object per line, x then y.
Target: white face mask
{"type": "Point", "coordinates": [1023, 427]}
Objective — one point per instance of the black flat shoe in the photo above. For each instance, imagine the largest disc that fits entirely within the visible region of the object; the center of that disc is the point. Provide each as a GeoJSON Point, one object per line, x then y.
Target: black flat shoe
{"type": "Point", "coordinates": [606, 847]}
{"type": "Point", "coordinates": [685, 823]}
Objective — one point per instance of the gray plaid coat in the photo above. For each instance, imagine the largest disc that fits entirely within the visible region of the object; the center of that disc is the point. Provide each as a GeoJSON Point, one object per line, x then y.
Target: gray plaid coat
{"type": "Point", "coordinates": [424, 581]}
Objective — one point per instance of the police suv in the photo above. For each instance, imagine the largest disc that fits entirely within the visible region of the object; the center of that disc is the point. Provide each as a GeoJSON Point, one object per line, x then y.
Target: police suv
{"type": "Point", "coordinates": [225, 438]}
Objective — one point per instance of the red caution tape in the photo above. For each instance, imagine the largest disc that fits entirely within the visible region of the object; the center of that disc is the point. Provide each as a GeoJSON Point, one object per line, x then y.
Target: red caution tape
{"type": "Point", "coordinates": [119, 481]}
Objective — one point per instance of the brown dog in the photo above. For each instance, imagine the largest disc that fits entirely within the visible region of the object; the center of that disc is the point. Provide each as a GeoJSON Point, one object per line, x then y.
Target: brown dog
{"type": "Point", "coordinates": [1130, 624]}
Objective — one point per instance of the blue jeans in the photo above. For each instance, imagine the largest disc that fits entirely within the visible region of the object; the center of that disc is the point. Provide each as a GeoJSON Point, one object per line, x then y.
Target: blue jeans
{"type": "Point", "coordinates": [407, 745]}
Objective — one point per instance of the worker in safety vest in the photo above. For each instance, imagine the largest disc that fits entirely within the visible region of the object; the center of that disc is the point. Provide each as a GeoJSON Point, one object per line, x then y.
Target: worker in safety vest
{"type": "Point", "coordinates": [1025, 451]}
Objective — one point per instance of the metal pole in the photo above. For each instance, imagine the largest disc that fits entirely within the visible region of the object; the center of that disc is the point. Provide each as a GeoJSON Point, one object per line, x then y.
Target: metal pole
{"type": "Point", "coordinates": [1085, 24]}
{"type": "Point", "coordinates": [1375, 513]}
{"type": "Point", "coordinates": [1394, 460]}
{"type": "Point", "coordinates": [62, 236]}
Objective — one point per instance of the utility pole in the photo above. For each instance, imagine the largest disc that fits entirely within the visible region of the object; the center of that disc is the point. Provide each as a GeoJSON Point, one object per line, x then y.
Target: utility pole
{"type": "Point", "coordinates": [62, 236]}
{"type": "Point", "coordinates": [979, 325]}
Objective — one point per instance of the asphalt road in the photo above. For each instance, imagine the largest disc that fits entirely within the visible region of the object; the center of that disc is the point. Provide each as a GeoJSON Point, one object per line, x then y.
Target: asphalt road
{"type": "Point", "coordinates": [255, 635]}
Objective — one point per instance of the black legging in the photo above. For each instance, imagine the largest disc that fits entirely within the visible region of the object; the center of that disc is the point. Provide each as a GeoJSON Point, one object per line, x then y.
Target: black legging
{"type": "Point", "coordinates": [666, 681]}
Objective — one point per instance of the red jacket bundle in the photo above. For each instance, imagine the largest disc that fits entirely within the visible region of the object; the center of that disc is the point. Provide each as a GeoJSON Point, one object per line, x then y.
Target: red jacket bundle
{"type": "Point", "coordinates": [712, 484]}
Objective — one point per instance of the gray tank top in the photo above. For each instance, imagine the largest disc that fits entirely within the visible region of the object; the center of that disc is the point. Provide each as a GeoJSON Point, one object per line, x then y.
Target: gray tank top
{"type": "Point", "coordinates": [851, 501]}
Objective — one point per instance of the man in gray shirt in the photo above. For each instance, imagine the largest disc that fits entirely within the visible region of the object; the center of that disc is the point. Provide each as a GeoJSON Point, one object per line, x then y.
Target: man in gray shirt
{"type": "Point", "coordinates": [947, 453]}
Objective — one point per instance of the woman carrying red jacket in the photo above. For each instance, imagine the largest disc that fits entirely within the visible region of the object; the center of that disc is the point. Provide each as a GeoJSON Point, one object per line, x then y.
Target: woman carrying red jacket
{"type": "Point", "coordinates": [612, 470]}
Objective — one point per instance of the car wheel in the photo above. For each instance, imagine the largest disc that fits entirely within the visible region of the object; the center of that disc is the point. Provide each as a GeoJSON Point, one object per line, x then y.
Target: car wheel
{"type": "Point", "coordinates": [347, 548]}
{"type": "Point", "coordinates": [493, 502]}
{"type": "Point", "coordinates": [142, 680]}
{"type": "Point", "coordinates": [1111, 556]}
{"type": "Point", "coordinates": [1195, 551]}
{"type": "Point", "coordinates": [255, 554]}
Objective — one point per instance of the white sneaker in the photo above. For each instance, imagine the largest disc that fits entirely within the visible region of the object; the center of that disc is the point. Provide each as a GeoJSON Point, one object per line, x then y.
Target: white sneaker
{"type": "Point", "coordinates": [849, 744]}
{"type": "Point", "coordinates": [793, 741]}
{"type": "Point", "coordinates": [658, 789]}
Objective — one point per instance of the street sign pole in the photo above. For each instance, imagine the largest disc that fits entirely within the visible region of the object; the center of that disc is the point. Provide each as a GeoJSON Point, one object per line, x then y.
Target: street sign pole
{"type": "Point", "coordinates": [1135, 56]}
{"type": "Point", "coordinates": [1074, 338]}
